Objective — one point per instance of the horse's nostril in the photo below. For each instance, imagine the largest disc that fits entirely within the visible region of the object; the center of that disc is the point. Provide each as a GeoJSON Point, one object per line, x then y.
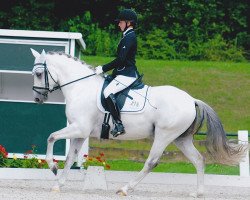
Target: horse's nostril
{"type": "Point", "coordinates": [37, 99]}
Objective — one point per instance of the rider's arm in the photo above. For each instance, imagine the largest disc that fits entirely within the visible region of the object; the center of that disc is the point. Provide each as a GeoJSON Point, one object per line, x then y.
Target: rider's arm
{"type": "Point", "coordinates": [119, 61]}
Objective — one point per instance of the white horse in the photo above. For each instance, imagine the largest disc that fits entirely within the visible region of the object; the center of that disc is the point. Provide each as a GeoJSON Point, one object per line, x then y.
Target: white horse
{"type": "Point", "coordinates": [174, 117]}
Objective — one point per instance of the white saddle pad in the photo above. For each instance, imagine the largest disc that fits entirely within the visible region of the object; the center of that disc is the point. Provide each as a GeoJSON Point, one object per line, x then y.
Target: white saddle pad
{"type": "Point", "coordinates": [134, 105]}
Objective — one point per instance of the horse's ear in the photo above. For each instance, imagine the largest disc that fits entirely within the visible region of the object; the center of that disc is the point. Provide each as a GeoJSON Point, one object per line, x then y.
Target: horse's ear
{"type": "Point", "coordinates": [43, 54]}
{"type": "Point", "coordinates": [35, 53]}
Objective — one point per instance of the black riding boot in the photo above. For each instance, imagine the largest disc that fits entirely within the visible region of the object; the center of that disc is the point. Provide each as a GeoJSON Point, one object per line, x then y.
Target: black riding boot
{"type": "Point", "coordinates": [115, 112]}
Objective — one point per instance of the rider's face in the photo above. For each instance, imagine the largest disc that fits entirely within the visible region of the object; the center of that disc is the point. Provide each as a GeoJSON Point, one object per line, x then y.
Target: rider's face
{"type": "Point", "coordinates": [122, 25]}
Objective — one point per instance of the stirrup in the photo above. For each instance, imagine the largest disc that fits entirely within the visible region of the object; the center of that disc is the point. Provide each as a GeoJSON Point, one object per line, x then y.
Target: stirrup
{"type": "Point", "coordinates": [118, 130]}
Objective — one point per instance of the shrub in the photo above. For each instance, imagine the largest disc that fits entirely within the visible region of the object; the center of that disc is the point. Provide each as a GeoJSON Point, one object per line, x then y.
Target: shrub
{"type": "Point", "coordinates": [215, 49]}
{"type": "Point", "coordinates": [31, 160]}
{"type": "Point", "coordinates": [15, 162]}
{"type": "Point", "coordinates": [156, 45]}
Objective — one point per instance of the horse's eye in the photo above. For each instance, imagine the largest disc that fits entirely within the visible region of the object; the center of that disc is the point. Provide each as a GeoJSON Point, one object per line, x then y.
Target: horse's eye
{"type": "Point", "coordinates": [38, 74]}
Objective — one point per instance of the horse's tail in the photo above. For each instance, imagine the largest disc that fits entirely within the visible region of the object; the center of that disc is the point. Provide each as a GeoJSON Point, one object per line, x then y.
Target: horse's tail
{"type": "Point", "coordinates": [221, 149]}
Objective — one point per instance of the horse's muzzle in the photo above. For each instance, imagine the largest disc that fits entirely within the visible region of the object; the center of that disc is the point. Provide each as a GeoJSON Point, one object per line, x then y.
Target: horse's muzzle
{"type": "Point", "coordinates": [38, 100]}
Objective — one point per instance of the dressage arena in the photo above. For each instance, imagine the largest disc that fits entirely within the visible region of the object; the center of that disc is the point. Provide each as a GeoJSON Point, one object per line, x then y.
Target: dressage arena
{"type": "Point", "coordinates": [36, 184]}
{"type": "Point", "coordinates": [155, 186]}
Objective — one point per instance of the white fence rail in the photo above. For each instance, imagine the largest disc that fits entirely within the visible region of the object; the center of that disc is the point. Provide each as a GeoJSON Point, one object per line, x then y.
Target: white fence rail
{"type": "Point", "coordinates": [244, 166]}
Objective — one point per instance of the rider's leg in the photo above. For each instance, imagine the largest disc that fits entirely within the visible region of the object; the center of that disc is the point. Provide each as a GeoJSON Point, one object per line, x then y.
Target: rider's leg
{"type": "Point", "coordinates": [117, 85]}
{"type": "Point", "coordinates": [114, 110]}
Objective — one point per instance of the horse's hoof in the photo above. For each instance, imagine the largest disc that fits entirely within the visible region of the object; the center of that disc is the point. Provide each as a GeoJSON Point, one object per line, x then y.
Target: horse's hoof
{"type": "Point", "coordinates": [55, 188]}
{"type": "Point", "coordinates": [193, 194]}
{"type": "Point", "coordinates": [54, 170]}
{"type": "Point", "coordinates": [121, 192]}
{"type": "Point", "coordinates": [196, 195]}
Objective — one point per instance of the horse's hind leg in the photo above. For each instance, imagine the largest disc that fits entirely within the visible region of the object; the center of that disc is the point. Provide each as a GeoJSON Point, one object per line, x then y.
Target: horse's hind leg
{"type": "Point", "coordinates": [75, 147]}
{"type": "Point", "coordinates": [185, 144]}
{"type": "Point", "coordinates": [162, 139]}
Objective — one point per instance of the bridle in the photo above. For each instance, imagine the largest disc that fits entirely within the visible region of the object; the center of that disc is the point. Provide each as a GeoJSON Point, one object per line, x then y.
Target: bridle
{"type": "Point", "coordinates": [46, 81]}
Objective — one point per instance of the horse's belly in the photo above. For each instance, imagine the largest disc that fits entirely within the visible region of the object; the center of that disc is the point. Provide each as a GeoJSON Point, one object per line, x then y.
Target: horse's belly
{"type": "Point", "coordinates": [137, 127]}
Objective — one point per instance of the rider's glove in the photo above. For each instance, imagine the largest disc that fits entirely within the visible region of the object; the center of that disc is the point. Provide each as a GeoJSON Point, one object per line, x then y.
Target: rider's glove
{"type": "Point", "coordinates": [98, 70]}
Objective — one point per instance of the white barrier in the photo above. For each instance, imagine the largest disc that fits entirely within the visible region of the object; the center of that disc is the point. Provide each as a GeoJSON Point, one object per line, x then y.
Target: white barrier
{"type": "Point", "coordinates": [244, 166]}
{"type": "Point", "coordinates": [95, 178]}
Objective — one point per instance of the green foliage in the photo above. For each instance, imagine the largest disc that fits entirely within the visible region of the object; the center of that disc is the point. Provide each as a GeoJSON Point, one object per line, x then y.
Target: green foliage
{"type": "Point", "coordinates": [30, 163]}
{"type": "Point", "coordinates": [15, 163]}
{"type": "Point", "coordinates": [177, 29]}
{"type": "Point", "coordinates": [193, 25]}
{"type": "Point", "coordinates": [215, 49]}
{"type": "Point", "coordinates": [3, 18]}
{"type": "Point", "coordinates": [99, 41]}
{"type": "Point", "coordinates": [31, 15]}
{"type": "Point", "coordinates": [156, 45]}
{"type": "Point", "coordinates": [30, 159]}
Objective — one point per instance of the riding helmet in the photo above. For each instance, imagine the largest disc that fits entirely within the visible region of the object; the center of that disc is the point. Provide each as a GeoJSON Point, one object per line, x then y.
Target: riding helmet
{"type": "Point", "coordinates": [127, 15]}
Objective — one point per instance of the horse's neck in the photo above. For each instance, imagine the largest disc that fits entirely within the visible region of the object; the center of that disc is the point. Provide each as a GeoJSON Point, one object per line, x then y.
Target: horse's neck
{"type": "Point", "coordinates": [84, 90]}
{"type": "Point", "coordinates": [69, 70]}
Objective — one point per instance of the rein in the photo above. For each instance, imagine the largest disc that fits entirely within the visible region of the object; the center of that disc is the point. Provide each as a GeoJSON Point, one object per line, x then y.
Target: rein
{"type": "Point", "coordinates": [46, 80]}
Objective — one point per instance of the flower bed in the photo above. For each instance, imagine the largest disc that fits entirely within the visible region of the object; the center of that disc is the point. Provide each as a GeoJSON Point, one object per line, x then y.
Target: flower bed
{"type": "Point", "coordinates": [96, 161]}
{"type": "Point", "coordinates": [30, 160]}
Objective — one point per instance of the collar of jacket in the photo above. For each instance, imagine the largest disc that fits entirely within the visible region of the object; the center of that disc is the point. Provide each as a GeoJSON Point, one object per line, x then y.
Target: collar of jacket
{"type": "Point", "coordinates": [126, 32]}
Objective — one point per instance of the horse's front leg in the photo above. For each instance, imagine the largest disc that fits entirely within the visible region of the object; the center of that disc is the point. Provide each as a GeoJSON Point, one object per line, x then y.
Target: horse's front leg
{"type": "Point", "coordinates": [69, 132]}
{"type": "Point", "coordinates": [74, 149]}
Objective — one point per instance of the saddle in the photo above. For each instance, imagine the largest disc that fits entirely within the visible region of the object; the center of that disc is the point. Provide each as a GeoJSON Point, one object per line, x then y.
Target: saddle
{"type": "Point", "coordinates": [131, 99]}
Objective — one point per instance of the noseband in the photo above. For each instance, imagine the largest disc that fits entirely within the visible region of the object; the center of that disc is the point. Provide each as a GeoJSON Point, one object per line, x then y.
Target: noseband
{"type": "Point", "coordinates": [46, 81]}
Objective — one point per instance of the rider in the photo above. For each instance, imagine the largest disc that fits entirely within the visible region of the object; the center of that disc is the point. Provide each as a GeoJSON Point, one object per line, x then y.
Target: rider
{"type": "Point", "coordinates": [125, 71]}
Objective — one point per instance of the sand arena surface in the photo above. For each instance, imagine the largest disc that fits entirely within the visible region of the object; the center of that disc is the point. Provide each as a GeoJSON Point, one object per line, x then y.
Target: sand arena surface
{"type": "Point", "coordinates": [156, 186]}
{"type": "Point", "coordinates": [40, 190]}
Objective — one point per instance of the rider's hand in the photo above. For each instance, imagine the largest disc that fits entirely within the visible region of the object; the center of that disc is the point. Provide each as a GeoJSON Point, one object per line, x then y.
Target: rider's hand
{"type": "Point", "coordinates": [98, 70]}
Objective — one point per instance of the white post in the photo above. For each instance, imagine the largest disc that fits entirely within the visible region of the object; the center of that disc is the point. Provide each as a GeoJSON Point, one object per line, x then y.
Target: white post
{"type": "Point", "coordinates": [244, 165]}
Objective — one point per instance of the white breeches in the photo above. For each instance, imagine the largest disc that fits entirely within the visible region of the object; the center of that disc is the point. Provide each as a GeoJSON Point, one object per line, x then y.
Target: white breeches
{"type": "Point", "coordinates": [118, 84]}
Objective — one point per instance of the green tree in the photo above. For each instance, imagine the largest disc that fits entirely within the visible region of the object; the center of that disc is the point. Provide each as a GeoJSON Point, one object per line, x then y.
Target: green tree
{"type": "Point", "coordinates": [32, 15]}
{"type": "Point", "coordinates": [99, 41]}
{"type": "Point", "coordinates": [187, 26]}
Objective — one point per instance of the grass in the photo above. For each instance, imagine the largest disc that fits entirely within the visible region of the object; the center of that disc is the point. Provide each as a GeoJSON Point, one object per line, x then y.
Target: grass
{"type": "Point", "coordinates": [144, 144]}
{"type": "Point", "coordinates": [178, 167]}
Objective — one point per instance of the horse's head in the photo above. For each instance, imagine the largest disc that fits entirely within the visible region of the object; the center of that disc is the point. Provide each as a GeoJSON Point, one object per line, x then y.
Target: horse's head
{"type": "Point", "coordinates": [44, 77]}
